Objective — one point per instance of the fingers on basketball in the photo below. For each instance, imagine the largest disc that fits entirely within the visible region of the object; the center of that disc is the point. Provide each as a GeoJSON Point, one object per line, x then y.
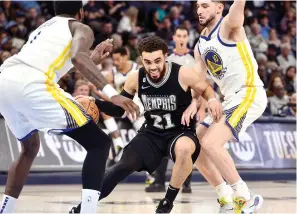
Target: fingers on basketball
{"type": "Point", "coordinates": [90, 107]}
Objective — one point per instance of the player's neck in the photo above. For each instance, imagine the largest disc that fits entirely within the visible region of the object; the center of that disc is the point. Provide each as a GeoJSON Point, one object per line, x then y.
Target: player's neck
{"type": "Point", "coordinates": [181, 50]}
{"type": "Point", "coordinates": [212, 25]}
{"type": "Point", "coordinates": [126, 68]}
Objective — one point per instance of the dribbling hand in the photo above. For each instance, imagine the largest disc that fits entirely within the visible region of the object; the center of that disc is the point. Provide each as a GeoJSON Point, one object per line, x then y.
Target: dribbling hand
{"type": "Point", "coordinates": [127, 104]}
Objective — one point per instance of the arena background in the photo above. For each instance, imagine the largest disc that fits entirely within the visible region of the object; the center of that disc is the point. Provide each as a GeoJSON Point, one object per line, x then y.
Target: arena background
{"type": "Point", "coordinates": [266, 151]}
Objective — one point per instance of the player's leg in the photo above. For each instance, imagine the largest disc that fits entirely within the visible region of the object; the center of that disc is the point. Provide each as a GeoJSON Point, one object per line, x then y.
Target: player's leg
{"type": "Point", "coordinates": [183, 150]}
{"type": "Point", "coordinates": [160, 178]}
{"type": "Point", "coordinates": [18, 172]}
{"type": "Point", "coordinates": [212, 175]}
{"type": "Point", "coordinates": [133, 159]}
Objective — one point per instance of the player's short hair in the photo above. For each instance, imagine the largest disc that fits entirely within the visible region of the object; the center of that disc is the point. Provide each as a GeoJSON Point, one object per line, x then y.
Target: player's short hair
{"type": "Point", "coordinates": [151, 44]}
{"type": "Point", "coordinates": [122, 51]}
{"type": "Point", "coordinates": [219, 1]}
{"type": "Point", "coordinates": [181, 27]}
{"type": "Point", "coordinates": [70, 8]}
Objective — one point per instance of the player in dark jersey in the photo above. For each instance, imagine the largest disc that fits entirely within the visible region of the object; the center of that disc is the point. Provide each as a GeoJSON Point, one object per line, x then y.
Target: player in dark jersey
{"type": "Point", "coordinates": [183, 56]}
{"type": "Point", "coordinates": [165, 91]}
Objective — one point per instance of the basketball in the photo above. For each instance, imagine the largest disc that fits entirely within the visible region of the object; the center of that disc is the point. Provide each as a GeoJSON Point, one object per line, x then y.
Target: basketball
{"type": "Point", "coordinates": [90, 107]}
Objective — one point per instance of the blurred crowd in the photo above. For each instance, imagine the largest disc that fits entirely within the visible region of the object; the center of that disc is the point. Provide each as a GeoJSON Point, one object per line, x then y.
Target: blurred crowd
{"type": "Point", "coordinates": [270, 27]}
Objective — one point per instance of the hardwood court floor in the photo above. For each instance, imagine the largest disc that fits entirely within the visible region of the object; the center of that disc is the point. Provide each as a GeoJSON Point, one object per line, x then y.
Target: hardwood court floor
{"type": "Point", "coordinates": [280, 197]}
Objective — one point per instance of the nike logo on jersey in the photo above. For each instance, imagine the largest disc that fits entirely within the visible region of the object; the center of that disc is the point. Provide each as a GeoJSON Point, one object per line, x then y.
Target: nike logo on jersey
{"type": "Point", "coordinates": [145, 87]}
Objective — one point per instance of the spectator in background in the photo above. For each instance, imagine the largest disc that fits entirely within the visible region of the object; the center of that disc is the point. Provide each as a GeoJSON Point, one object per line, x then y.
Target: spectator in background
{"type": "Point", "coordinates": [279, 100]}
{"type": "Point", "coordinates": [175, 17]}
{"type": "Point", "coordinates": [3, 20]}
{"type": "Point", "coordinates": [114, 9]}
{"type": "Point", "coordinates": [20, 19]}
{"type": "Point", "coordinates": [285, 59]}
{"type": "Point", "coordinates": [132, 46]}
{"type": "Point", "coordinates": [160, 14]}
{"type": "Point", "coordinates": [193, 34]}
{"type": "Point", "coordinates": [290, 79]}
{"type": "Point", "coordinates": [128, 22]}
{"type": "Point", "coordinates": [165, 32]}
{"type": "Point", "coordinates": [275, 80]}
{"type": "Point", "coordinates": [289, 20]}
{"type": "Point", "coordinates": [265, 28]}
{"type": "Point", "coordinates": [257, 41]}
{"type": "Point", "coordinates": [292, 34]}
{"type": "Point", "coordinates": [106, 31]}
{"type": "Point", "coordinates": [272, 53]}
{"type": "Point", "coordinates": [81, 87]}
{"type": "Point", "coordinates": [5, 55]}
{"type": "Point", "coordinates": [117, 41]}
{"type": "Point", "coordinates": [291, 109]}
{"type": "Point", "coordinates": [32, 15]}
{"type": "Point", "coordinates": [273, 38]}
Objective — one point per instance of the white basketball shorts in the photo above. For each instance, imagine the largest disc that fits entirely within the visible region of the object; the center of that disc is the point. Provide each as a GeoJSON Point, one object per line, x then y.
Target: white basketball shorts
{"type": "Point", "coordinates": [242, 109]}
{"type": "Point", "coordinates": [30, 101]}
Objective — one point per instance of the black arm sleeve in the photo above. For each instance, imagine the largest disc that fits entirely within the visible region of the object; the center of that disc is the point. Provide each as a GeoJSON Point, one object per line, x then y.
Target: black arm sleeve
{"type": "Point", "coordinates": [109, 108]}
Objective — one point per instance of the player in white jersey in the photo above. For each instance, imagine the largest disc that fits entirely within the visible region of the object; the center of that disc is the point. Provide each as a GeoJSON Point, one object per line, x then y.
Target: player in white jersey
{"type": "Point", "coordinates": [223, 50]}
{"type": "Point", "coordinates": [30, 99]}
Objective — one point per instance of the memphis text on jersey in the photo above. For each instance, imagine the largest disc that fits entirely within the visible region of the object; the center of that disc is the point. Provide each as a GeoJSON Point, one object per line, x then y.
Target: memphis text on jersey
{"type": "Point", "coordinates": [214, 62]}
{"type": "Point", "coordinates": [155, 102]}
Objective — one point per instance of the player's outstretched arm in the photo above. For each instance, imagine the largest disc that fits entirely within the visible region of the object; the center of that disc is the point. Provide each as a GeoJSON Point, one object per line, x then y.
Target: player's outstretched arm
{"type": "Point", "coordinates": [190, 78]}
{"type": "Point", "coordinates": [82, 40]}
{"type": "Point", "coordinates": [235, 17]}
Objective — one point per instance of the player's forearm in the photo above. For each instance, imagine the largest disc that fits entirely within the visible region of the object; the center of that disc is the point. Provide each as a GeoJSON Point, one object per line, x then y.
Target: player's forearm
{"type": "Point", "coordinates": [236, 14]}
{"type": "Point", "coordinates": [89, 70]}
{"type": "Point", "coordinates": [208, 93]}
{"type": "Point", "coordinates": [109, 108]}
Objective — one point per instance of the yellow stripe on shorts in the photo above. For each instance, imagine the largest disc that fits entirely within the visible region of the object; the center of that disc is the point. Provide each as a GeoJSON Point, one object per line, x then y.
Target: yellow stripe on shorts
{"type": "Point", "coordinates": [251, 90]}
{"type": "Point", "coordinates": [67, 104]}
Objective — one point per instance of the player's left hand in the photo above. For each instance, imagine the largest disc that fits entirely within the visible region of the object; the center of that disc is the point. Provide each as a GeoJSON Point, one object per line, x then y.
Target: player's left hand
{"type": "Point", "coordinates": [189, 113]}
{"type": "Point", "coordinates": [102, 51]}
{"type": "Point", "coordinates": [215, 109]}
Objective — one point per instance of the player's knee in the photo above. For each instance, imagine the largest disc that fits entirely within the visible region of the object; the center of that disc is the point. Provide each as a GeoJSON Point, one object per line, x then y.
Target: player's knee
{"type": "Point", "coordinates": [207, 144]}
{"type": "Point", "coordinates": [184, 150]}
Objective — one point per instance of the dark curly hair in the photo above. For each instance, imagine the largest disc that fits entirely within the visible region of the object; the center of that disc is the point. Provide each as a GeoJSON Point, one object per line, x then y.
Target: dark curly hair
{"type": "Point", "coordinates": [152, 44]}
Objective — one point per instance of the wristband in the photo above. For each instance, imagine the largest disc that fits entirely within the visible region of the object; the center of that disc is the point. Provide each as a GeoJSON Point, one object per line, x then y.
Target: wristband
{"type": "Point", "coordinates": [109, 91]}
{"type": "Point", "coordinates": [212, 99]}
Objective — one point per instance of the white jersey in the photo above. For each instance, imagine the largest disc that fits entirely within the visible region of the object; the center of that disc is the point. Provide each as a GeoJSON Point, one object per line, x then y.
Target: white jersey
{"type": "Point", "coordinates": [119, 78]}
{"type": "Point", "coordinates": [184, 59]}
{"type": "Point", "coordinates": [47, 49]}
{"type": "Point", "coordinates": [231, 65]}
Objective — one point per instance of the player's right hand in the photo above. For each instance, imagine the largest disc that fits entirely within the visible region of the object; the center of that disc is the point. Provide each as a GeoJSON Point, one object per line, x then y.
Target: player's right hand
{"type": "Point", "coordinates": [127, 104]}
{"type": "Point", "coordinates": [215, 109]}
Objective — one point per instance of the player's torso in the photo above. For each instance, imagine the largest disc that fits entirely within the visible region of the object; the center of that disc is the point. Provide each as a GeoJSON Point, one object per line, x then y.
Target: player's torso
{"type": "Point", "coordinates": [231, 65]}
{"type": "Point", "coordinates": [185, 59]}
{"type": "Point", "coordinates": [47, 49]}
{"type": "Point", "coordinates": [164, 102]}
{"type": "Point", "coordinates": [120, 78]}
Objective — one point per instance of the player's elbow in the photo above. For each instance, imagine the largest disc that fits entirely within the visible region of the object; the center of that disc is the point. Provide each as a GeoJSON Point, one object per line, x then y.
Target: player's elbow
{"type": "Point", "coordinates": [77, 60]}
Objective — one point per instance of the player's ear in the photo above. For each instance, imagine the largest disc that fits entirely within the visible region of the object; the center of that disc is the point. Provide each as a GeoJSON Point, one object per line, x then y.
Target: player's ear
{"type": "Point", "coordinates": [81, 14]}
{"type": "Point", "coordinates": [220, 8]}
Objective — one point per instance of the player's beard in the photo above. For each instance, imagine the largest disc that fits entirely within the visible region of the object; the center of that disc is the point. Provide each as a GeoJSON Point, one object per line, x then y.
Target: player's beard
{"type": "Point", "coordinates": [208, 21]}
{"type": "Point", "coordinates": [162, 73]}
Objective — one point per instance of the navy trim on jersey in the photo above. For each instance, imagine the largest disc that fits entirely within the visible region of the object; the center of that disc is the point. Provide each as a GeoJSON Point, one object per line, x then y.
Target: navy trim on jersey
{"type": "Point", "coordinates": [223, 43]}
{"type": "Point", "coordinates": [207, 38]}
{"type": "Point", "coordinates": [27, 135]}
{"type": "Point", "coordinates": [198, 48]}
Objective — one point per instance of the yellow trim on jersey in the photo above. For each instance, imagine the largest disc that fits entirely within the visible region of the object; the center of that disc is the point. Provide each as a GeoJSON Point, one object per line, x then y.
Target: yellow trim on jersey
{"type": "Point", "coordinates": [251, 90]}
{"type": "Point", "coordinates": [71, 108]}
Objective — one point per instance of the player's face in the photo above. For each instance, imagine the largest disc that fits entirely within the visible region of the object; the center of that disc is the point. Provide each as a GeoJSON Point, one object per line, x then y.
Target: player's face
{"type": "Point", "coordinates": [154, 64]}
{"type": "Point", "coordinates": [119, 61]}
{"type": "Point", "coordinates": [82, 90]}
{"type": "Point", "coordinates": [181, 38]}
{"type": "Point", "coordinates": [207, 11]}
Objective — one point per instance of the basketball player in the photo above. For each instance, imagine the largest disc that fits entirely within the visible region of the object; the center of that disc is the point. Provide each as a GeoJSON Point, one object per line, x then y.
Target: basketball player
{"type": "Point", "coordinates": [223, 50]}
{"type": "Point", "coordinates": [182, 56]}
{"type": "Point", "coordinates": [164, 89]}
{"type": "Point", "coordinates": [30, 99]}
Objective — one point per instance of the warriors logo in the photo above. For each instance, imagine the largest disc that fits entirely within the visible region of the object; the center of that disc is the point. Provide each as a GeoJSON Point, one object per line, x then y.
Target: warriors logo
{"type": "Point", "coordinates": [214, 64]}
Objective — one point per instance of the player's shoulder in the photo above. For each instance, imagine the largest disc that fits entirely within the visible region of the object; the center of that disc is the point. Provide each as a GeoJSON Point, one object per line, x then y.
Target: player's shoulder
{"type": "Point", "coordinates": [76, 26]}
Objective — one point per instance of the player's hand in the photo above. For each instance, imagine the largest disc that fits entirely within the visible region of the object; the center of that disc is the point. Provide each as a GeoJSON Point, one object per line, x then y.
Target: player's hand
{"type": "Point", "coordinates": [201, 114]}
{"type": "Point", "coordinates": [102, 51]}
{"type": "Point", "coordinates": [215, 109]}
{"type": "Point", "coordinates": [127, 104]}
{"type": "Point", "coordinates": [189, 113]}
